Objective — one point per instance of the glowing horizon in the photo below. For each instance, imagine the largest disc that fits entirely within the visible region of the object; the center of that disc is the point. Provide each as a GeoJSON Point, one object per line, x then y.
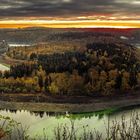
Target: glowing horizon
{"type": "Point", "coordinates": [69, 24]}
{"type": "Point", "coordinates": [70, 13]}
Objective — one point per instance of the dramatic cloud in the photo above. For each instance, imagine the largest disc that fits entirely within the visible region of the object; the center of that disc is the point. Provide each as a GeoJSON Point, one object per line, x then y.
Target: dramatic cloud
{"type": "Point", "coordinates": [70, 8]}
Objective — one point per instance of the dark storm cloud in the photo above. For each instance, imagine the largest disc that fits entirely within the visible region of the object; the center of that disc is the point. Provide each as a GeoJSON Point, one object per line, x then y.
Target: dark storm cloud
{"type": "Point", "coordinates": [62, 8]}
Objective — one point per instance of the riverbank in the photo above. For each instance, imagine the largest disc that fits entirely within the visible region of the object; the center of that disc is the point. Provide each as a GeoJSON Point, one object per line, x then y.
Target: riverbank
{"type": "Point", "coordinates": [90, 104]}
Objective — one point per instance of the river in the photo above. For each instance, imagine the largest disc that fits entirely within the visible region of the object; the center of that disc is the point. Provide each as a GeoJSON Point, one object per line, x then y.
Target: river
{"type": "Point", "coordinates": [137, 45]}
{"type": "Point", "coordinates": [37, 121]}
{"type": "Point", "coordinates": [19, 44]}
{"type": "Point", "coordinates": [3, 67]}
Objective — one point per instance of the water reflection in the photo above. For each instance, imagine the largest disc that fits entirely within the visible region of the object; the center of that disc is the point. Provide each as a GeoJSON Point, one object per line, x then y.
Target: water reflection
{"type": "Point", "coordinates": [37, 121]}
{"type": "Point", "coordinates": [59, 115]}
{"type": "Point", "coordinates": [99, 114]}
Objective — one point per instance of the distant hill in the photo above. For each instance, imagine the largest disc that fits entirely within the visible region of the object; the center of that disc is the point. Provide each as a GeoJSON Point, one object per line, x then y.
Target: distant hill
{"type": "Point", "coordinates": [39, 34]}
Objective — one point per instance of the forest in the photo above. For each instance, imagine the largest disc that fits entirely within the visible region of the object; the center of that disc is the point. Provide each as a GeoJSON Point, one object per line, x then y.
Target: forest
{"type": "Point", "coordinates": [100, 68]}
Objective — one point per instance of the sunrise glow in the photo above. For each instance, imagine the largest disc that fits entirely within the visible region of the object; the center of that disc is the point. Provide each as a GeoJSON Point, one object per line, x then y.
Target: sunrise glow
{"type": "Point", "coordinates": [69, 24]}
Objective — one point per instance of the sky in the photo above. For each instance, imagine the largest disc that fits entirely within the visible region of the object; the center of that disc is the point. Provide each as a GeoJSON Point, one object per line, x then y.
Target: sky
{"type": "Point", "coordinates": [70, 13]}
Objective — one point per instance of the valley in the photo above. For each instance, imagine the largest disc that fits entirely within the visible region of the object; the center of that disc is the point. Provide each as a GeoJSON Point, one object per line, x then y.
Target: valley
{"type": "Point", "coordinates": [86, 62]}
{"type": "Point", "coordinates": [75, 76]}
{"type": "Point", "coordinates": [70, 70]}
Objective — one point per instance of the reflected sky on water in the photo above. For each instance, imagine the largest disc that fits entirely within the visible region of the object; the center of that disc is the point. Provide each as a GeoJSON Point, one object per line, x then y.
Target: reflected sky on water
{"type": "Point", "coordinates": [37, 121]}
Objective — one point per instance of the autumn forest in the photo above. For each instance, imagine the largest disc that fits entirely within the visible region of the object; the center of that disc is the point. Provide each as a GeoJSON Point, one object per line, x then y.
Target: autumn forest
{"type": "Point", "coordinates": [95, 64]}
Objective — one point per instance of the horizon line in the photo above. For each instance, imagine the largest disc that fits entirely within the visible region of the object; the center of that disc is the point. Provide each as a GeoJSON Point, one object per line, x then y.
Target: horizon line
{"type": "Point", "coordinates": [69, 24]}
